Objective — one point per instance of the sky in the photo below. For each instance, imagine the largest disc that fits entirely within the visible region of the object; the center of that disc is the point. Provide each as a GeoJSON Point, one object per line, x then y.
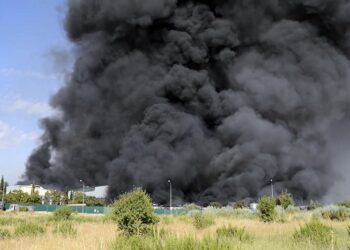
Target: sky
{"type": "Point", "coordinates": [31, 35]}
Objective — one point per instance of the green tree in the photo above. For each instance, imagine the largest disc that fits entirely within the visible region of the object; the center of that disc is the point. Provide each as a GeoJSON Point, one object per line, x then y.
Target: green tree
{"type": "Point", "coordinates": [17, 196]}
{"type": "Point", "coordinates": [34, 195]}
{"type": "Point", "coordinates": [2, 185]}
{"type": "Point", "coordinates": [285, 199]}
{"type": "Point", "coordinates": [78, 198]}
{"type": "Point", "coordinates": [240, 204]}
{"type": "Point", "coordinates": [266, 208]}
{"type": "Point", "coordinates": [134, 213]}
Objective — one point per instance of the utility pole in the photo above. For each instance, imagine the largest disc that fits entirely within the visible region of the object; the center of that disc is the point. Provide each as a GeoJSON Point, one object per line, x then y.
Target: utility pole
{"type": "Point", "coordinates": [3, 193]}
{"type": "Point", "coordinates": [83, 196]}
{"type": "Point", "coordinates": [272, 188]}
{"type": "Point", "coordinates": [170, 196]}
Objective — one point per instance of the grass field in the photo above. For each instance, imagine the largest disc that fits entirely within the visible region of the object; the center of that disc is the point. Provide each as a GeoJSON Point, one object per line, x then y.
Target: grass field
{"type": "Point", "coordinates": [177, 232]}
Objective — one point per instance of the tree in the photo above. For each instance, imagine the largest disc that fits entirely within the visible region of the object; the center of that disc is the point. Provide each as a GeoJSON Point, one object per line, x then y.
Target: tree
{"type": "Point", "coordinates": [17, 196]}
{"type": "Point", "coordinates": [134, 213]}
{"type": "Point", "coordinates": [285, 199]}
{"type": "Point", "coordinates": [2, 185]}
{"type": "Point", "coordinates": [34, 195]}
{"type": "Point", "coordinates": [240, 204]}
{"type": "Point", "coordinates": [266, 208]}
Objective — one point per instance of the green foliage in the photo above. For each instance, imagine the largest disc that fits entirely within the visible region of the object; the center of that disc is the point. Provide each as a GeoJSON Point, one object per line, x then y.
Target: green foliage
{"type": "Point", "coordinates": [335, 213]}
{"type": "Point", "coordinates": [266, 208]}
{"type": "Point", "coordinates": [315, 232]}
{"type": "Point", "coordinates": [88, 200]}
{"type": "Point", "coordinates": [314, 205]}
{"type": "Point", "coordinates": [62, 213]}
{"type": "Point", "coordinates": [56, 197]}
{"type": "Point", "coordinates": [192, 206]}
{"type": "Point", "coordinates": [17, 196]}
{"type": "Point", "coordinates": [10, 221]}
{"type": "Point", "coordinates": [348, 229]}
{"type": "Point", "coordinates": [285, 200]}
{"type": "Point", "coordinates": [65, 228]}
{"type": "Point", "coordinates": [344, 204]}
{"type": "Point", "coordinates": [215, 204]}
{"type": "Point", "coordinates": [29, 229]}
{"type": "Point", "coordinates": [134, 213]}
{"type": "Point", "coordinates": [202, 220]}
{"type": "Point", "coordinates": [233, 232]}
{"type": "Point", "coordinates": [4, 234]}
{"type": "Point", "coordinates": [240, 204]}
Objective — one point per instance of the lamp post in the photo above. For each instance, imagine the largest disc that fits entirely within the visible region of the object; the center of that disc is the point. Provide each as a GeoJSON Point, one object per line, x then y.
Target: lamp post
{"type": "Point", "coordinates": [3, 195]}
{"type": "Point", "coordinates": [170, 196]}
{"type": "Point", "coordinates": [271, 188]}
{"type": "Point", "coordinates": [83, 196]}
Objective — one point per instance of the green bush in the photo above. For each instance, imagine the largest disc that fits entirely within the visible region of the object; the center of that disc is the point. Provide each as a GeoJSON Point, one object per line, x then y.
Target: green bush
{"type": "Point", "coordinates": [266, 208]}
{"type": "Point", "coordinates": [335, 213]}
{"type": "Point", "coordinates": [240, 204]}
{"type": "Point", "coordinates": [233, 232]}
{"type": "Point", "coordinates": [4, 234]}
{"type": "Point", "coordinates": [285, 200]}
{"type": "Point", "coordinates": [134, 213]}
{"type": "Point", "coordinates": [65, 228]}
{"type": "Point", "coordinates": [344, 204]}
{"type": "Point", "coordinates": [215, 204]}
{"type": "Point", "coordinates": [62, 213]}
{"type": "Point", "coordinates": [29, 229]}
{"type": "Point", "coordinates": [314, 205]}
{"type": "Point", "coordinates": [202, 220]}
{"type": "Point", "coordinates": [348, 230]}
{"type": "Point", "coordinates": [315, 232]}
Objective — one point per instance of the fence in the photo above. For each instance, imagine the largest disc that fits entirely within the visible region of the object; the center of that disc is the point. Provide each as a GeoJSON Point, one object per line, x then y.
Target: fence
{"type": "Point", "coordinates": [91, 210]}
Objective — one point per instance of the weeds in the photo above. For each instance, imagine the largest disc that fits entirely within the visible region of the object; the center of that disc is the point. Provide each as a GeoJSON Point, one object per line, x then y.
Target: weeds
{"type": "Point", "coordinates": [315, 232]}
{"type": "Point", "coordinates": [29, 229]}
{"type": "Point", "coordinates": [65, 228]}
{"type": "Point", "coordinates": [202, 220]}
{"type": "Point", "coordinates": [233, 232]}
{"type": "Point", "coordinates": [63, 213]}
{"type": "Point", "coordinates": [4, 234]}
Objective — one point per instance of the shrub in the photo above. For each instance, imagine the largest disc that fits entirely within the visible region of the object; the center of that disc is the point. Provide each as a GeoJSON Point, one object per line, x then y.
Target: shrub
{"type": "Point", "coordinates": [65, 228]}
{"type": "Point", "coordinates": [315, 232]}
{"type": "Point", "coordinates": [29, 229]}
{"type": "Point", "coordinates": [292, 209]}
{"type": "Point", "coordinates": [280, 214]}
{"type": "Point", "coordinates": [240, 204]}
{"type": "Point", "coordinates": [4, 234]}
{"type": "Point", "coordinates": [314, 205]}
{"type": "Point", "coordinates": [233, 232]}
{"type": "Point", "coordinates": [266, 208]}
{"type": "Point", "coordinates": [344, 204]}
{"type": "Point", "coordinates": [201, 220]}
{"type": "Point", "coordinates": [192, 206]}
{"type": "Point", "coordinates": [215, 204]}
{"type": "Point", "coordinates": [62, 213]}
{"type": "Point", "coordinates": [349, 230]}
{"type": "Point", "coordinates": [335, 213]}
{"type": "Point", "coordinates": [133, 212]}
{"type": "Point", "coordinates": [285, 199]}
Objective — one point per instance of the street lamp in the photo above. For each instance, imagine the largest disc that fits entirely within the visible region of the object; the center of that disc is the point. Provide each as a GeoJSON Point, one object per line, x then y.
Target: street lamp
{"type": "Point", "coordinates": [171, 198]}
{"type": "Point", "coordinates": [3, 195]}
{"type": "Point", "coordinates": [271, 187]}
{"type": "Point", "coordinates": [82, 208]}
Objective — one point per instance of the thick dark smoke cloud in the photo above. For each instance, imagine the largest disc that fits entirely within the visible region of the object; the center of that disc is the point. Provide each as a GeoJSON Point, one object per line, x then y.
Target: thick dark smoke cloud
{"type": "Point", "coordinates": [218, 96]}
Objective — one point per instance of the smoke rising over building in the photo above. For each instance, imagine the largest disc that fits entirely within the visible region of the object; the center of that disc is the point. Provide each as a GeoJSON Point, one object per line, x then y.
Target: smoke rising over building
{"type": "Point", "coordinates": [218, 96]}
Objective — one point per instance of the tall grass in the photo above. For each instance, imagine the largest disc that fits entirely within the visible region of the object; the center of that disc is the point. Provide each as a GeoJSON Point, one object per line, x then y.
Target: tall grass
{"type": "Point", "coordinates": [203, 220]}
{"type": "Point", "coordinates": [173, 243]}
{"type": "Point", "coordinates": [29, 229]}
{"type": "Point", "coordinates": [65, 228]}
{"type": "Point", "coordinates": [316, 233]}
{"type": "Point", "coordinates": [233, 232]}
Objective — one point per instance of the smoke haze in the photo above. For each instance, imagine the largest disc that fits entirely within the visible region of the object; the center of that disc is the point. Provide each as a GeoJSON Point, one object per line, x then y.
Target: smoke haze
{"type": "Point", "coordinates": [218, 96]}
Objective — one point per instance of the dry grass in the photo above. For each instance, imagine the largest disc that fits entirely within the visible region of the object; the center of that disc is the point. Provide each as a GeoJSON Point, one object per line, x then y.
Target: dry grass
{"type": "Point", "coordinates": [92, 233]}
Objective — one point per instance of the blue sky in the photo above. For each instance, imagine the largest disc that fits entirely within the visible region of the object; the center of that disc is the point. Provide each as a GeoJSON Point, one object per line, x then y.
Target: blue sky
{"type": "Point", "coordinates": [30, 31]}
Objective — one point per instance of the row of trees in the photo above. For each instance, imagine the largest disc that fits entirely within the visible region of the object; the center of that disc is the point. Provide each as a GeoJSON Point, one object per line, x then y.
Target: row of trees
{"type": "Point", "coordinates": [51, 197]}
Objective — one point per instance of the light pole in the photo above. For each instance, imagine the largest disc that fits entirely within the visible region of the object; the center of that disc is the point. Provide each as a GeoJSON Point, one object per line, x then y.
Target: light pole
{"type": "Point", "coordinates": [271, 188]}
{"type": "Point", "coordinates": [171, 198]}
{"type": "Point", "coordinates": [3, 195]}
{"type": "Point", "coordinates": [82, 208]}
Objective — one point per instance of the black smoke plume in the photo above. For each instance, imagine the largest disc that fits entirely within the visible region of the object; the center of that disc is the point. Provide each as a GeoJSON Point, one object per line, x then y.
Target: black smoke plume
{"type": "Point", "coordinates": [218, 96]}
